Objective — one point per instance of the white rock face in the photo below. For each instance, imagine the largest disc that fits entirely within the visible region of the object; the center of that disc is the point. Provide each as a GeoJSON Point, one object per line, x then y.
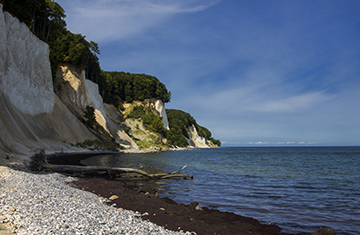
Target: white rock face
{"type": "Point", "coordinates": [25, 75]}
{"type": "Point", "coordinates": [115, 127]}
{"type": "Point", "coordinates": [160, 107]}
{"type": "Point", "coordinates": [196, 140]}
{"type": "Point", "coordinates": [31, 115]}
{"type": "Point", "coordinates": [3, 36]}
{"type": "Point", "coordinates": [77, 92]}
{"type": "Point", "coordinates": [94, 99]}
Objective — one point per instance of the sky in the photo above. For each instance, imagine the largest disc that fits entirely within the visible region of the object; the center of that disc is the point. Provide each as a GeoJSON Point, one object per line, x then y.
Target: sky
{"type": "Point", "coordinates": [254, 72]}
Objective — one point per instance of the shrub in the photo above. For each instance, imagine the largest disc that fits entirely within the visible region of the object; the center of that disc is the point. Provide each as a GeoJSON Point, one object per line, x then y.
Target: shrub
{"type": "Point", "coordinates": [89, 115]}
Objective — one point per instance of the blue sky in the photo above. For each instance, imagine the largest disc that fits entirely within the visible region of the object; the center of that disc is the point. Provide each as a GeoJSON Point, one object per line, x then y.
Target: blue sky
{"type": "Point", "coordinates": [254, 72]}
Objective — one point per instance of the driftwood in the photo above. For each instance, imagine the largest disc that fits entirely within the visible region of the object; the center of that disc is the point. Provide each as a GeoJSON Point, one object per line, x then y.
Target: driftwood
{"type": "Point", "coordinates": [39, 161]}
{"type": "Point", "coordinates": [116, 172]}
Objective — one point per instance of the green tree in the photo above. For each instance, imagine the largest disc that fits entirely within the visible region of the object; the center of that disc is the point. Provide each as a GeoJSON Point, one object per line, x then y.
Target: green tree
{"type": "Point", "coordinates": [137, 112]}
{"type": "Point", "coordinates": [179, 123]}
{"type": "Point", "coordinates": [89, 115]}
{"type": "Point", "coordinates": [46, 19]}
{"type": "Point", "coordinates": [56, 17]}
{"type": "Point", "coordinates": [153, 123]}
{"type": "Point", "coordinates": [176, 138]}
{"type": "Point", "coordinates": [203, 132]}
{"type": "Point", "coordinates": [128, 87]}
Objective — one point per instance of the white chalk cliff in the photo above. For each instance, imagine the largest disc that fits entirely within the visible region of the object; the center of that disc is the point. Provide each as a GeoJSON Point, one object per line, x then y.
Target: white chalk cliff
{"type": "Point", "coordinates": [32, 116]}
{"type": "Point", "coordinates": [77, 92]}
{"type": "Point", "coordinates": [160, 107]}
{"type": "Point", "coordinates": [197, 141]}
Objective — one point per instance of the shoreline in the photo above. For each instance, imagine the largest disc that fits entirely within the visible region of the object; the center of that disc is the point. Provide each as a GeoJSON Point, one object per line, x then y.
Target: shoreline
{"type": "Point", "coordinates": [171, 215]}
{"type": "Point", "coordinates": [45, 203]}
{"type": "Point", "coordinates": [164, 211]}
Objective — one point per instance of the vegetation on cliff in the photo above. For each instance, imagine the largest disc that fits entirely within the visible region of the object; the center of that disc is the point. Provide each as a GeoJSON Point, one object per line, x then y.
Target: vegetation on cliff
{"type": "Point", "coordinates": [119, 87]}
{"type": "Point", "coordinates": [180, 122]}
{"type": "Point", "coordinates": [46, 19]}
{"type": "Point", "coordinates": [150, 118]}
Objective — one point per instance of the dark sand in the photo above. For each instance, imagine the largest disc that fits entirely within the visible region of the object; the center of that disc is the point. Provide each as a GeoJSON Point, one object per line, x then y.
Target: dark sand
{"type": "Point", "coordinates": [164, 211]}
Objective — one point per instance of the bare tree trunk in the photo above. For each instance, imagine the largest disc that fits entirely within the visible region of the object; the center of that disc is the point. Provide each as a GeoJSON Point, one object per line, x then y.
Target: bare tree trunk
{"type": "Point", "coordinates": [48, 34]}
{"type": "Point", "coordinates": [33, 21]}
{"type": "Point", "coordinates": [39, 161]}
{"type": "Point", "coordinates": [116, 172]}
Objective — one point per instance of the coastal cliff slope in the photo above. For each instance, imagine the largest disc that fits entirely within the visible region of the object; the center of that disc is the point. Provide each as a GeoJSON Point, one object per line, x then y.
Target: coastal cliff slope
{"type": "Point", "coordinates": [197, 141]}
{"type": "Point", "coordinates": [77, 92]}
{"type": "Point", "coordinates": [32, 116]}
{"type": "Point", "coordinates": [160, 107]}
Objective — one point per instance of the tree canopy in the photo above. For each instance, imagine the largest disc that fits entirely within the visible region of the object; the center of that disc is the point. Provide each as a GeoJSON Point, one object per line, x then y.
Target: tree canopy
{"type": "Point", "coordinates": [180, 121]}
{"type": "Point", "coordinates": [42, 16]}
{"type": "Point", "coordinates": [46, 19]}
{"type": "Point", "coordinates": [119, 87]}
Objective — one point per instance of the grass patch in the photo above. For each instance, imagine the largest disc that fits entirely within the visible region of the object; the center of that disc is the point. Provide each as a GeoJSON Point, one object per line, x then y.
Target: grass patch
{"type": "Point", "coordinates": [147, 145]}
{"type": "Point", "coordinates": [87, 144]}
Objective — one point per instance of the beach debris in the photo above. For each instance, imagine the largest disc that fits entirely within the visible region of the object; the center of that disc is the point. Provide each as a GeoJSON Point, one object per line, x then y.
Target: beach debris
{"type": "Point", "coordinates": [194, 206]}
{"type": "Point", "coordinates": [113, 172]}
{"type": "Point", "coordinates": [324, 231]}
{"type": "Point", "coordinates": [113, 197]}
{"type": "Point", "coordinates": [116, 172]}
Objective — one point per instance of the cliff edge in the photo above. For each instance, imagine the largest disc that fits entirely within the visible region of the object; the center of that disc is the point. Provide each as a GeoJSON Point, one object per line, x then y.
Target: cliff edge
{"type": "Point", "coordinates": [32, 116]}
{"type": "Point", "coordinates": [77, 92]}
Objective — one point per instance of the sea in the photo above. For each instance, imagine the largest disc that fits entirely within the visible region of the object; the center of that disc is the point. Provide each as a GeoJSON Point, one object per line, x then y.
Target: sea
{"type": "Point", "coordinates": [300, 189]}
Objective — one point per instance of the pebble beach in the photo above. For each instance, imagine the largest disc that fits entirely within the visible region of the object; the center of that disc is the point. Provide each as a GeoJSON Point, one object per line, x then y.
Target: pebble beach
{"type": "Point", "coordinates": [44, 203]}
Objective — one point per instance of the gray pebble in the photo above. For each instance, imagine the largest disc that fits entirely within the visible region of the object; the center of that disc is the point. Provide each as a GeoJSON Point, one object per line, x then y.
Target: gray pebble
{"type": "Point", "coordinates": [44, 204]}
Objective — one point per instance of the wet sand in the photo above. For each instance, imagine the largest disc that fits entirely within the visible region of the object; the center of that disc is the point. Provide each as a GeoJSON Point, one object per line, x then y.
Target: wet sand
{"type": "Point", "coordinates": [164, 211]}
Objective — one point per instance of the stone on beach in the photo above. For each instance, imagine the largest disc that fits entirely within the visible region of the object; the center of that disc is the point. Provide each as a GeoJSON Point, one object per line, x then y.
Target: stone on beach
{"type": "Point", "coordinates": [43, 203]}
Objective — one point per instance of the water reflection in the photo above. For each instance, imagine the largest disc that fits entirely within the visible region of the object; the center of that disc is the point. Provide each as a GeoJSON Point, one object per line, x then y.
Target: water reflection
{"type": "Point", "coordinates": [299, 189]}
{"type": "Point", "coordinates": [143, 162]}
{"type": "Point", "coordinates": [123, 160]}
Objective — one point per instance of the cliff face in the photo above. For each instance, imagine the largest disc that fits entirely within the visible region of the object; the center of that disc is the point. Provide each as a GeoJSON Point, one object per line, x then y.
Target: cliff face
{"type": "Point", "coordinates": [32, 116]}
{"type": "Point", "coordinates": [160, 107]}
{"type": "Point", "coordinates": [24, 68]}
{"type": "Point", "coordinates": [198, 141]}
{"type": "Point", "coordinates": [76, 92]}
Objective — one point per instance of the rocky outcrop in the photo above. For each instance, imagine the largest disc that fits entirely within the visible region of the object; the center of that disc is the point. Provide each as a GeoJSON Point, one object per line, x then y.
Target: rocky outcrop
{"type": "Point", "coordinates": [197, 141]}
{"type": "Point", "coordinates": [32, 116]}
{"type": "Point", "coordinates": [160, 107]}
{"type": "Point", "coordinates": [77, 92]}
{"type": "Point", "coordinates": [24, 67]}
{"type": "Point", "coordinates": [115, 127]}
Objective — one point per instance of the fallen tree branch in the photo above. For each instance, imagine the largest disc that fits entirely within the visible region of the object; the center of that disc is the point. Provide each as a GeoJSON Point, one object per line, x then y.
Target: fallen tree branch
{"type": "Point", "coordinates": [115, 172]}
{"type": "Point", "coordinates": [39, 161]}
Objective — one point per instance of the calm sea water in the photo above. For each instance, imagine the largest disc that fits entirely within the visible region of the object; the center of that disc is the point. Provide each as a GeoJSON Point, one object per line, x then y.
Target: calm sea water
{"type": "Point", "coordinates": [298, 188]}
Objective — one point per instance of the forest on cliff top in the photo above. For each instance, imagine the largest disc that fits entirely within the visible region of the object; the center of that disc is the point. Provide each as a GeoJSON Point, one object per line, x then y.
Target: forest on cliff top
{"type": "Point", "coordinates": [46, 19]}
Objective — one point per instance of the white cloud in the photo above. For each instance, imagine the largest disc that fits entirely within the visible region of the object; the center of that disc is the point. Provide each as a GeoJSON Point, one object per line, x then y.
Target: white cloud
{"type": "Point", "coordinates": [258, 143]}
{"type": "Point", "coordinates": [293, 103]}
{"type": "Point", "coordinates": [260, 99]}
{"type": "Point", "coordinates": [109, 20]}
{"type": "Point", "coordinates": [246, 76]}
{"type": "Point", "coordinates": [274, 143]}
